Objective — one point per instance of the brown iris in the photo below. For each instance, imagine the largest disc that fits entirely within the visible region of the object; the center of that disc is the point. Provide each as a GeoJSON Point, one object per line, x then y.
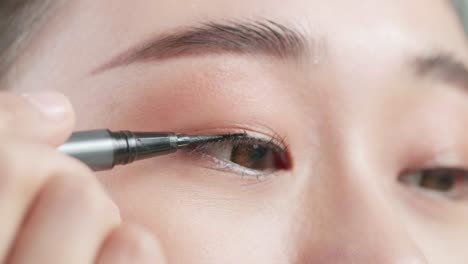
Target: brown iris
{"type": "Point", "coordinates": [258, 157]}
{"type": "Point", "coordinates": [443, 180]}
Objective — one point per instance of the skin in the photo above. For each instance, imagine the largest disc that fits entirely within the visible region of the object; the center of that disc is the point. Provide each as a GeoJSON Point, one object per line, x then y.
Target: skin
{"type": "Point", "coordinates": [352, 114]}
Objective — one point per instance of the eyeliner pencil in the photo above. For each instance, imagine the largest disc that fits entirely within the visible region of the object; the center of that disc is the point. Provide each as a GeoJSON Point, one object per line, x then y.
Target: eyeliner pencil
{"type": "Point", "coordinates": [104, 149]}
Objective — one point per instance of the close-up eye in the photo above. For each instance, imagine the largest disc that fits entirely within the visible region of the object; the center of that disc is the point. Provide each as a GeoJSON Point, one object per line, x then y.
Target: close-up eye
{"type": "Point", "coordinates": [244, 154]}
{"type": "Point", "coordinates": [449, 182]}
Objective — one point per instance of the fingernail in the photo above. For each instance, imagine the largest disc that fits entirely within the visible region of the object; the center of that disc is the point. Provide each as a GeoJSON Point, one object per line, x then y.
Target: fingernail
{"type": "Point", "coordinates": [53, 105]}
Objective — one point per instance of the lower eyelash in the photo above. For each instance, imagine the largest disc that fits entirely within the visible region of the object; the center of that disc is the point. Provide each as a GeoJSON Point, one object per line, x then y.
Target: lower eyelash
{"type": "Point", "coordinates": [228, 166]}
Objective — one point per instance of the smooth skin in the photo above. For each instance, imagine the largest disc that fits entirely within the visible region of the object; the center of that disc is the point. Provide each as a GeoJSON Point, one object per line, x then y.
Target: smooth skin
{"type": "Point", "coordinates": [353, 115]}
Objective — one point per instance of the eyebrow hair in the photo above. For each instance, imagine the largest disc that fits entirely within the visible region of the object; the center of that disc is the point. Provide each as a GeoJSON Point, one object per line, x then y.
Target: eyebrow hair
{"type": "Point", "coordinates": [263, 38]}
{"type": "Point", "coordinates": [254, 37]}
{"type": "Point", "coordinates": [444, 67]}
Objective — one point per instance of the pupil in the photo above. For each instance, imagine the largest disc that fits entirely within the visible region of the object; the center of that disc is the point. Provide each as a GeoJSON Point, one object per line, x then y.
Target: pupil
{"type": "Point", "coordinates": [252, 156]}
{"type": "Point", "coordinates": [438, 180]}
{"type": "Point", "coordinates": [257, 152]}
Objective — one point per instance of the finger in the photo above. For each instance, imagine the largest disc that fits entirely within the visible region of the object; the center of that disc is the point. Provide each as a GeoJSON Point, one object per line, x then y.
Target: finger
{"type": "Point", "coordinates": [46, 116]}
{"type": "Point", "coordinates": [25, 168]}
{"type": "Point", "coordinates": [69, 222]}
{"type": "Point", "coordinates": [131, 244]}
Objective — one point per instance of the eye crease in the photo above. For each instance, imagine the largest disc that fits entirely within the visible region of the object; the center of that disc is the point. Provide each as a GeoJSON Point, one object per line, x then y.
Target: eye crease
{"type": "Point", "coordinates": [246, 153]}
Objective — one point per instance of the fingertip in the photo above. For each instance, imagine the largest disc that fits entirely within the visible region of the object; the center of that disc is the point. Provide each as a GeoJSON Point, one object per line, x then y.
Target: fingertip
{"type": "Point", "coordinates": [58, 111]}
{"type": "Point", "coordinates": [64, 128]}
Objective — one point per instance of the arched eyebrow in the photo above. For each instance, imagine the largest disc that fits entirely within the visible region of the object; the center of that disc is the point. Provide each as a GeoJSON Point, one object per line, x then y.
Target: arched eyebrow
{"type": "Point", "coordinates": [256, 37]}
{"type": "Point", "coordinates": [442, 67]}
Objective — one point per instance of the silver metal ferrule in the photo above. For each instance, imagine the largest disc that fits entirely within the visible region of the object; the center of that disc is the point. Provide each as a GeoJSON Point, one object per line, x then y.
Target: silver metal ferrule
{"type": "Point", "coordinates": [143, 145]}
{"type": "Point", "coordinates": [104, 149]}
{"type": "Point", "coordinates": [182, 141]}
{"type": "Point", "coordinates": [94, 148]}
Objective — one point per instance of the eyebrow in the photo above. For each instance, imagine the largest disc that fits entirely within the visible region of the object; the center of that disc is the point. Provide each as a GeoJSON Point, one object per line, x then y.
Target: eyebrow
{"type": "Point", "coordinates": [264, 37]}
{"type": "Point", "coordinates": [444, 67]}
{"type": "Point", "coordinates": [252, 37]}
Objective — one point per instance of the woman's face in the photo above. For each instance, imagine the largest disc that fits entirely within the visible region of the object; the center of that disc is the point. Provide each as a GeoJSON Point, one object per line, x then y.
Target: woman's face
{"type": "Point", "coordinates": [366, 100]}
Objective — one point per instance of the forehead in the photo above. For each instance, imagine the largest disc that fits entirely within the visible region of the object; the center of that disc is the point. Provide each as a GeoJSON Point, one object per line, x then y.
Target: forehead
{"type": "Point", "coordinates": [354, 22]}
{"type": "Point", "coordinates": [310, 13]}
